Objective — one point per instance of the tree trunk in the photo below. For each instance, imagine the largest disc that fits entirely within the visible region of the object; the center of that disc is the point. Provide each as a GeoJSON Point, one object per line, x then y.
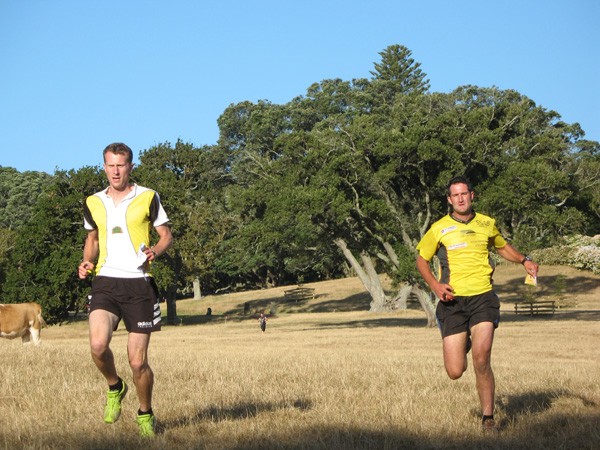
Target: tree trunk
{"type": "Point", "coordinates": [380, 301]}
{"type": "Point", "coordinates": [427, 305]}
{"type": "Point", "coordinates": [391, 253]}
{"type": "Point", "coordinates": [368, 277]}
{"type": "Point", "coordinates": [172, 305]}
{"type": "Point", "coordinates": [401, 298]}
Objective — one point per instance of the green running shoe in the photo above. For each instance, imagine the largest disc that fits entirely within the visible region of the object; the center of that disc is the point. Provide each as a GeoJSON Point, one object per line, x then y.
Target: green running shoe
{"type": "Point", "coordinates": [147, 424]}
{"type": "Point", "coordinates": [112, 411]}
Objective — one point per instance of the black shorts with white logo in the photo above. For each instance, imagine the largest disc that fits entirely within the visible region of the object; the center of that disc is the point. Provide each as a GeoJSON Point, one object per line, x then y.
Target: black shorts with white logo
{"type": "Point", "coordinates": [463, 312]}
{"type": "Point", "coordinates": [135, 300]}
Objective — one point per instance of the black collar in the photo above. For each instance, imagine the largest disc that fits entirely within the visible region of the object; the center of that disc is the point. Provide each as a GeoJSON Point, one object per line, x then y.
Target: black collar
{"type": "Point", "coordinates": [464, 221]}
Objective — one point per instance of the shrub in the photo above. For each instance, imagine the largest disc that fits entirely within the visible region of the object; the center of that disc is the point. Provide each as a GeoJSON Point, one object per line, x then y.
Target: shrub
{"type": "Point", "coordinates": [581, 252]}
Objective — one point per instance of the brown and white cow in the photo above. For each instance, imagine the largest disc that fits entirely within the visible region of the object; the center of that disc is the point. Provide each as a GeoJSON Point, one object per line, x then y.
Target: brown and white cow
{"type": "Point", "coordinates": [22, 320]}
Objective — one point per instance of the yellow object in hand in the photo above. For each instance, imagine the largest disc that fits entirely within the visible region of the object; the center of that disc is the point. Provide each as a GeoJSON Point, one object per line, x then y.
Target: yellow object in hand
{"type": "Point", "coordinates": [531, 280]}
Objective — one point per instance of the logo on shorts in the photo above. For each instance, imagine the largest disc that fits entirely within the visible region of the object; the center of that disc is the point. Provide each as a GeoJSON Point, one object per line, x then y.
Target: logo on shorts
{"type": "Point", "coordinates": [144, 324]}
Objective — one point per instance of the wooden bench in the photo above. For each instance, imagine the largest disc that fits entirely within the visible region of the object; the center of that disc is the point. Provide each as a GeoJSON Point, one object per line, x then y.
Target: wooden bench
{"type": "Point", "coordinates": [299, 293]}
{"type": "Point", "coordinates": [531, 308]}
{"type": "Point", "coordinates": [562, 304]}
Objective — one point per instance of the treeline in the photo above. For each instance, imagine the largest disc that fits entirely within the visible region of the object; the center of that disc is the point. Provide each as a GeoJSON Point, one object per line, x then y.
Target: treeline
{"type": "Point", "coordinates": [344, 179]}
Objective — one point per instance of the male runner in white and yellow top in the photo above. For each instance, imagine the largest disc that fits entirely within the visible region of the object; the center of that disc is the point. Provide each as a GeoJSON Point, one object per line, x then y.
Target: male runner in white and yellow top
{"type": "Point", "coordinates": [118, 220]}
{"type": "Point", "coordinates": [469, 310]}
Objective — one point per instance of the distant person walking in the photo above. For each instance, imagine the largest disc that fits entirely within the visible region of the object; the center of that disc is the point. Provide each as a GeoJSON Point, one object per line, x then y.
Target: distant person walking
{"type": "Point", "coordinates": [262, 321]}
{"type": "Point", "coordinates": [469, 310]}
{"type": "Point", "coordinates": [117, 252]}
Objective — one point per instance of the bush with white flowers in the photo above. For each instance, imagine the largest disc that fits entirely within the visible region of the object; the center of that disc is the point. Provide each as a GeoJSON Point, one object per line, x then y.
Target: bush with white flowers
{"type": "Point", "coordinates": [582, 252]}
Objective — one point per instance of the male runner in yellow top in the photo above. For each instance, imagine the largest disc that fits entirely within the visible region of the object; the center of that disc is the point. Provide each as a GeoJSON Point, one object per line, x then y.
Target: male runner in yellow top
{"type": "Point", "coordinates": [469, 310]}
{"type": "Point", "coordinates": [118, 251]}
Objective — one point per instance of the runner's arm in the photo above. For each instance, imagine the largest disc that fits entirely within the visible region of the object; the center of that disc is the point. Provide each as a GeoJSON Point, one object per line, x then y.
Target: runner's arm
{"type": "Point", "coordinates": [90, 253]}
{"type": "Point", "coordinates": [443, 291]}
{"type": "Point", "coordinates": [165, 241]}
{"type": "Point", "coordinates": [511, 254]}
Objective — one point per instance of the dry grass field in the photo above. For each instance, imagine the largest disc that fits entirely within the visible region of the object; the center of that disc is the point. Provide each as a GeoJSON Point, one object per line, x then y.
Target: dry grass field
{"type": "Point", "coordinates": [326, 374]}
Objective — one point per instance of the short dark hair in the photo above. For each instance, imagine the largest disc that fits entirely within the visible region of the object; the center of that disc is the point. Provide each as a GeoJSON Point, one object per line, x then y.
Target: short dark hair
{"type": "Point", "coordinates": [459, 180]}
{"type": "Point", "coordinates": [120, 149]}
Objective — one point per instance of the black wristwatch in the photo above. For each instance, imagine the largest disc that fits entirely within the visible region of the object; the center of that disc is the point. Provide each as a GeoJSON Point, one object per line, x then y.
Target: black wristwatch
{"type": "Point", "coordinates": [527, 258]}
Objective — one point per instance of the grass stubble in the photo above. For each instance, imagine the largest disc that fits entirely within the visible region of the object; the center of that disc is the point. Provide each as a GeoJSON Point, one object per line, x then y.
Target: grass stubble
{"type": "Point", "coordinates": [337, 378]}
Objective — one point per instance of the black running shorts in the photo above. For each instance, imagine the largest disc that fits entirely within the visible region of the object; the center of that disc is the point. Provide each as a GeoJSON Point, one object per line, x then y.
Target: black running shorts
{"type": "Point", "coordinates": [462, 313]}
{"type": "Point", "coordinates": [135, 300]}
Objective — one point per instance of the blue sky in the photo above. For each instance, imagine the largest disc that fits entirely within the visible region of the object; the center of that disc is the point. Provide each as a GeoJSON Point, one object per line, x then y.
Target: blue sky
{"type": "Point", "coordinates": [76, 75]}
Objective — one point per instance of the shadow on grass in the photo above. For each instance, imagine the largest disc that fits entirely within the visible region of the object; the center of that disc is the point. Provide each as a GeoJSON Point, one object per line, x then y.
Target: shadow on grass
{"type": "Point", "coordinates": [556, 430]}
{"type": "Point", "coordinates": [240, 411]}
{"type": "Point", "coordinates": [512, 289]}
{"type": "Point", "coordinates": [517, 406]}
{"type": "Point", "coordinates": [356, 302]}
{"type": "Point", "coordinates": [541, 436]}
{"type": "Point", "coordinates": [559, 431]}
{"type": "Point", "coordinates": [562, 430]}
{"type": "Point", "coordinates": [392, 322]}
{"type": "Point", "coordinates": [559, 315]}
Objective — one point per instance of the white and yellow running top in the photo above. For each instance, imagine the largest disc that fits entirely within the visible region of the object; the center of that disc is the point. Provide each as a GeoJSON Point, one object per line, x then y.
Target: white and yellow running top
{"type": "Point", "coordinates": [122, 229]}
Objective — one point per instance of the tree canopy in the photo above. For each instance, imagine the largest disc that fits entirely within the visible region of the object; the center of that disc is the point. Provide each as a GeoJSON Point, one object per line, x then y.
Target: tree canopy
{"type": "Point", "coordinates": [343, 180]}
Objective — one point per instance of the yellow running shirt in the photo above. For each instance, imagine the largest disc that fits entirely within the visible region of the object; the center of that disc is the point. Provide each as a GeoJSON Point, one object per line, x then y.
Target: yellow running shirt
{"type": "Point", "coordinates": [463, 251]}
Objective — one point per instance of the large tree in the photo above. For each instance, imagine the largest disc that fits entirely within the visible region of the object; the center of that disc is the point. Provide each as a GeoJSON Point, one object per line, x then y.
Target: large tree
{"type": "Point", "coordinates": [350, 175]}
{"type": "Point", "coordinates": [348, 167]}
{"type": "Point", "coordinates": [47, 249]}
{"type": "Point", "coordinates": [397, 73]}
{"type": "Point", "coordinates": [19, 192]}
{"type": "Point", "coordinates": [190, 181]}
